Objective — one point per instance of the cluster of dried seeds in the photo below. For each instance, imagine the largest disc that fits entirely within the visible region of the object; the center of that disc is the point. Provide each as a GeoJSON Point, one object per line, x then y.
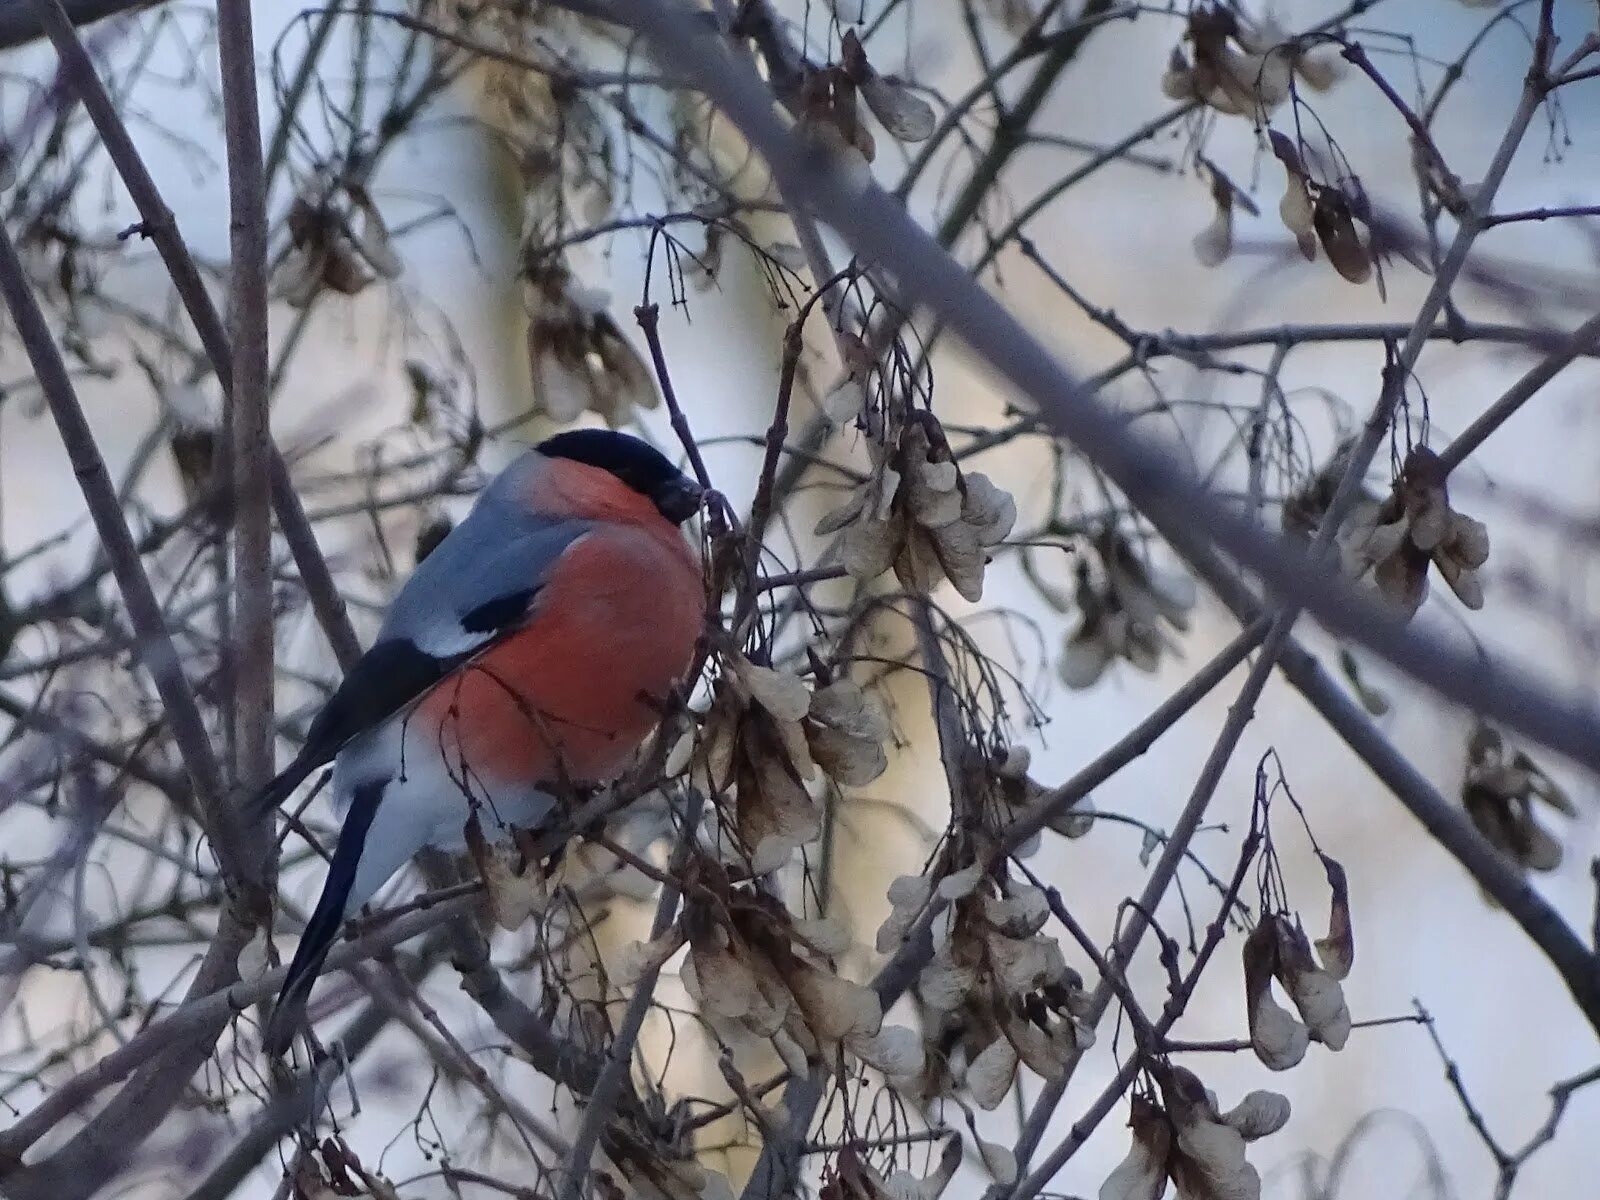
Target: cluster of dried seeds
{"type": "Point", "coordinates": [831, 116]}
{"type": "Point", "coordinates": [331, 1171]}
{"type": "Point", "coordinates": [1325, 214]}
{"type": "Point", "coordinates": [1006, 780]}
{"type": "Point", "coordinates": [766, 737]}
{"type": "Point", "coordinates": [1399, 538]}
{"type": "Point", "coordinates": [757, 974]}
{"type": "Point", "coordinates": [997, 992]}
{"type": "Point", "coordinates": [854, 1178]}
{"type": "Point", "coordinates": [519, 887]}
{"type": "Point", "coordinates": [1501, 791]}
{"type": "Point", "coordinates": [919, 514]}
{"type": "Point", "coordinates": [1243, 67]}
{"type": "Point", "coordinates": [1184, 1138]}
{"type": "Point", "coordinates": [338, 241]}
{"type": "Point", "coordinates": [1214, 243]}
{"type": "Point", "coordinates": [579, 357]}
{"type": "Point", "coordinates": [1277, 949]}
{"type": "Point", "coordinates": [1125, 609]}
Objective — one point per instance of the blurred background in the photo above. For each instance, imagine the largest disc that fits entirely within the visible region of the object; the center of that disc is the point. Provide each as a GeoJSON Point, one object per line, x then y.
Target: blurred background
{"type": "Point", "coordinates": [1382, 1109]}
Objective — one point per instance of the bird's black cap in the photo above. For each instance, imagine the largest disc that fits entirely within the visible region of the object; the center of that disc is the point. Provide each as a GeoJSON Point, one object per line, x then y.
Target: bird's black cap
{"type": "Point", "coordinates": [638, 464]}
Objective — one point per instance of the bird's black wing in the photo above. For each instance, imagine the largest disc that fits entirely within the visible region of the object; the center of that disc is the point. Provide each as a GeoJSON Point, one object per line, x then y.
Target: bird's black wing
{"type": "Point", "coordinates": [383, 681]}
{"type": "Point", "coordinates": [465, 596]}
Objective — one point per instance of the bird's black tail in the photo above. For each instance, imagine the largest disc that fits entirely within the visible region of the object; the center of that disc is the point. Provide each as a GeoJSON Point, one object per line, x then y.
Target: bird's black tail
{"type": "Point", "coordinates": [288, 1014]}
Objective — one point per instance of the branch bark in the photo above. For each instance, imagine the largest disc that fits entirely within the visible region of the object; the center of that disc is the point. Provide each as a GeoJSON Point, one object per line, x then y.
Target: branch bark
{"type": "Point", "coordinates": [247, 395]}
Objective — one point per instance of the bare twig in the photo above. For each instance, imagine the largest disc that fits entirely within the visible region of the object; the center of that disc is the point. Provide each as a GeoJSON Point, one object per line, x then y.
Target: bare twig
{"type": "Point", "coordinates": [602, 1101]}
{"type": "Point", "coordinates": [1581, 342]}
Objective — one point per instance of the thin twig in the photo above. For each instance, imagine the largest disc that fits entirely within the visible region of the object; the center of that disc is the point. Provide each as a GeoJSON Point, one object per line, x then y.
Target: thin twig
{"type": "Point", "coordinates": [602, 1101]}
{"type": "Point", "coordinates": [1582, 341]}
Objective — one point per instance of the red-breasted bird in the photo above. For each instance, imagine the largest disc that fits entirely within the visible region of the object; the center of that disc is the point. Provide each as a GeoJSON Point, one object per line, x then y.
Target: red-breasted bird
{"type": "Point", "coordinates": [535, 647]}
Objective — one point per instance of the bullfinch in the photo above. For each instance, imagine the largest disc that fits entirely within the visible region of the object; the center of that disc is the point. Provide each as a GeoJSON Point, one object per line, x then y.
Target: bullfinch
{"type": "Point", "coordinates": [533, 649]}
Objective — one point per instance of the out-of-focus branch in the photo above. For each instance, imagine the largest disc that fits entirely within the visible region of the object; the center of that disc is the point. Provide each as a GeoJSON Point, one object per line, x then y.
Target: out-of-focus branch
{"type": "Point", "coordinates": [1010, 133]}
{"type": "Point", "coordinates": [20, 22]}
{"type": "Point", "coordinates": [172, 784]}
{"type": "Point", "coordinates": [190, 1019]}
{"type": "Point", "coordinates": [297, 1104]}
{"type": "Point", "coordinates": [97, 1151]}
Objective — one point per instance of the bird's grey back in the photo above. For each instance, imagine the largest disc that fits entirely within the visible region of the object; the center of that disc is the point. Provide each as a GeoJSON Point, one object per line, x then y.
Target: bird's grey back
{"type": "Point", "coordinates": [499, 548]}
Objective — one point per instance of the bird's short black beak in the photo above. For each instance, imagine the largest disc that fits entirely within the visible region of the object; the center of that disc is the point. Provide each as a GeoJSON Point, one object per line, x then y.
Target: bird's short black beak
{"type": "Point", "coordinates": [680, 499]}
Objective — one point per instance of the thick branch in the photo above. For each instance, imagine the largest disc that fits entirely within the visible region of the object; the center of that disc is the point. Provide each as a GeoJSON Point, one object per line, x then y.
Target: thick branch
{"type": "Point", "coordinates": [251, 432]}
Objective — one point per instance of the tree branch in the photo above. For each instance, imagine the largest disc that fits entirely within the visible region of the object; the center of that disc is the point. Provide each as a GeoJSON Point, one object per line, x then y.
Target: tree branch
{"type": "Point", "coordinates": [613, 1076]}
{"type": "Point", "coordinates": [247, 395]}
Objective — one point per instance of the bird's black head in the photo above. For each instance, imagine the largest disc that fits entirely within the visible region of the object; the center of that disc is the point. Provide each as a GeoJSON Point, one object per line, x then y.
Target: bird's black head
{"type": "Point", "coordinates": [639, 465]}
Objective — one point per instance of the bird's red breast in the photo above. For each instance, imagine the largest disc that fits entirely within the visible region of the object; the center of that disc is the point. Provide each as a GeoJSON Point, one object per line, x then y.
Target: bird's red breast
{"type": "Point", "coordinates": [571, 695]}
